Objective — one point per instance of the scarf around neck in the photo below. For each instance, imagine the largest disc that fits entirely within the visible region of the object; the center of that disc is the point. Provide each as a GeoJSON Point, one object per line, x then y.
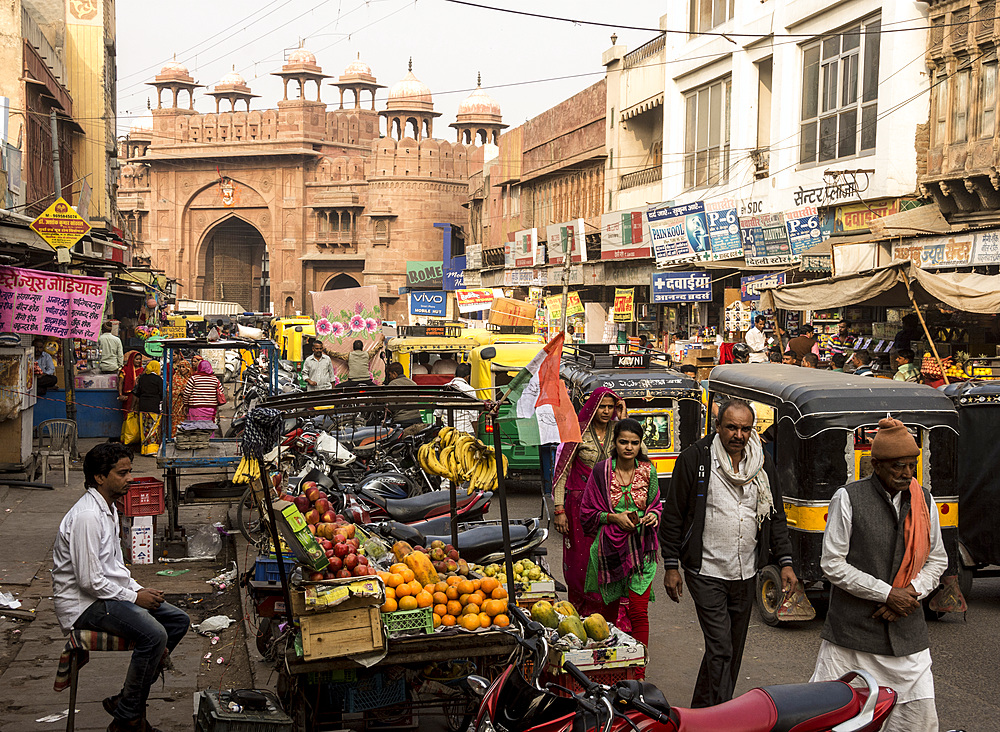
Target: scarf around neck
{"type": "Point", "coordinates": [751, 471]}
{"type": "Point", "coordinates": [917, 537]}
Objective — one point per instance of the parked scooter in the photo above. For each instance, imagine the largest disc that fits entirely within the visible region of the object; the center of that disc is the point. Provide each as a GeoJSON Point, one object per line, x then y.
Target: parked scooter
{"type": "Point", "coordinates": [511, 702]}
{"type": "Point", "coordinates": [479, 541]}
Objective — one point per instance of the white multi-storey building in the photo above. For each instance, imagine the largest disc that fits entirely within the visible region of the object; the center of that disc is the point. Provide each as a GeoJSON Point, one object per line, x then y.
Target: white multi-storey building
{"type": "Point", "coordinates": [773, 106]}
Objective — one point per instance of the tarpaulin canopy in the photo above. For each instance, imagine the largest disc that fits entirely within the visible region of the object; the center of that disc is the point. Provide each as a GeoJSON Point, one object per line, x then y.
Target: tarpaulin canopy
{"type": "Point", "coordinates": [889, 286]}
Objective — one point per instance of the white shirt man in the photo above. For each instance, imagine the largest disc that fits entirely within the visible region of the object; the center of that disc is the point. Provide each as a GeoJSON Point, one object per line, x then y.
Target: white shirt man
{"type": "Point", "coordinates": [757, 342]}
{"type": "Point", "coordinates": [318, 369]}
{"type": "Point", "coordinates": [465, 420]}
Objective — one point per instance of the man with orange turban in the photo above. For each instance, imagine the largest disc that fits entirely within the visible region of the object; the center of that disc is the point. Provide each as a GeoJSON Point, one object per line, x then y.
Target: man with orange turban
{"type": "Point", "coordinates": [883, 554]}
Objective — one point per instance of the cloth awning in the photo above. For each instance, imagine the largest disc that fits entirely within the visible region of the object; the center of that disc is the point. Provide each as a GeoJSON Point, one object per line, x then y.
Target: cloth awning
{"type": "Point", "coordinates": [889, 286]}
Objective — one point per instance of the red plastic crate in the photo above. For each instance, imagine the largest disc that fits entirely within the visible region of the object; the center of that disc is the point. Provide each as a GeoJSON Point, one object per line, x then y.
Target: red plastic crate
{"type": "Point", "coordinates": [144, 498]}
{"type": "Point", "coordinates": [610, 677]}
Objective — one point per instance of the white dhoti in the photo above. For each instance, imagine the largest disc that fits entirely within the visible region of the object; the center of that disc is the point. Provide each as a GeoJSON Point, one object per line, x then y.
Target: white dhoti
{"type": "Point", "coordinates": [909, 676]}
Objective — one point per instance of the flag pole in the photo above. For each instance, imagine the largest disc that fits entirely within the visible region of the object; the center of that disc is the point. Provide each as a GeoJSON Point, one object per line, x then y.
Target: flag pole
{"type": "Point", "coordinates": [504, 516]}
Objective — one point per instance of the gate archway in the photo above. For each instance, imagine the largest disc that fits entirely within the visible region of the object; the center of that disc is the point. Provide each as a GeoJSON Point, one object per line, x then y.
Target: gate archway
{"type": "Point", "coordinates": [236, 265]}
{"type": "Point", "coordinates": [341, 282]}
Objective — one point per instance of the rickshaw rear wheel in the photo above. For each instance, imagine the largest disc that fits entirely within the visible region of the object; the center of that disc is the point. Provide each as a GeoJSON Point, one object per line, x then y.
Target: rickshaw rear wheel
{"type": "Point", "coordinates": [768, 597]}
{"type": "Point", "coordinates": [965, 577]}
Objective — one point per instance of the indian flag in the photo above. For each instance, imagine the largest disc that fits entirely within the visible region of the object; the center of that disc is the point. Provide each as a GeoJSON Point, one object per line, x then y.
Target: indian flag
{"type": "Point", "coordinates": [544, 411]}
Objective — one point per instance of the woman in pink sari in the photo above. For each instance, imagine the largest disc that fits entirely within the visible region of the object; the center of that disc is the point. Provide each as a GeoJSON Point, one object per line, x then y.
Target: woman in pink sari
{"type": "Point", "coordinates": [574, 463]}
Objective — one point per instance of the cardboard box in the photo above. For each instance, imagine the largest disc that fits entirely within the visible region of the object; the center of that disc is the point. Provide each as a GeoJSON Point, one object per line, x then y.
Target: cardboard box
{"type": "Point", "coordinates": [142, 540]}
{"type": "Point", "coordinates": [292, 526]}
{"type": "Point", "coordinates": [342, 633]}
{"type": "Point", "coordinates": [602, 657]}
{"type": "Point", "coordinates": [505, 311]}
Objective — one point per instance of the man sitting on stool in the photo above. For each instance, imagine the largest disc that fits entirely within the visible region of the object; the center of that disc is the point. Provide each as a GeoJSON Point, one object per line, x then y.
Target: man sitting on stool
{"type": "Point", "coordinates": [93, 590]}
{"type": "Point", "coordinates": [45, 368]}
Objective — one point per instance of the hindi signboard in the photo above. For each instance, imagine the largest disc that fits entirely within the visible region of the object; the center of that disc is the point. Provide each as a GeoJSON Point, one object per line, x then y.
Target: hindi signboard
{"type": "Point", "coordinates": [750, 286]}
{"type": "Point", "coordinates": [724, 229]}
{"type": "Point", "coordinates": [765, 240]}
{"type": "Point", "coordinates": [573, 306]}
{"type": "Point", "coordinates": [625, 235]}
{"type": "Point", "coordinates": [669, 287]}
{"type": "Point", "coordinates": [470, 301]}
{"type": "Point", "coordinates": [60, 225]}
{"type": "Point", "coordinates": [524, 248]}
{"type": "Point", "coordinates": [803, 230]}
{"type": "Point", "coordinates": [624, 307]}
{"type": "Point", "coordinates": [936, 251]}
{"type": "Point", "coordinates": [51, 304]}
{"type": "Point", "coordinates": [679, 233]}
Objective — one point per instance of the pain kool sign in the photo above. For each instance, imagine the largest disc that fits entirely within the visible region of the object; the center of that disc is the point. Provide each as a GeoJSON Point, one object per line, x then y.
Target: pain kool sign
{"type": "Point", "coordinates": [431, 303]}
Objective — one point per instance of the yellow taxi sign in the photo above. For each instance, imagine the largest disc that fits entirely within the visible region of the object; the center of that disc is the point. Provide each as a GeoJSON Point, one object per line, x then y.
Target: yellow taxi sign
{"type": "Point", "coordinates": [60, 225]}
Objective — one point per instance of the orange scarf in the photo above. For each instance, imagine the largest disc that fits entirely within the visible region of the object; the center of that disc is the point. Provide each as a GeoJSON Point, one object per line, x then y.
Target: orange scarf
{"type": "Point", "coordinates": [917, 535]}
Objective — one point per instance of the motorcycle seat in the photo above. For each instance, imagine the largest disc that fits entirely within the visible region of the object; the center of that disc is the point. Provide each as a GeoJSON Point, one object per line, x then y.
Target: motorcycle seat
{"type": "Point", "coordinates": [354, 436]}
{"type": "Point", "coordinates": [754, 710]}
{"type": "Point", "coordinates": [811, 707]}
{"type": "Point", "coordinates": [420, 506]}
{"type": "Point", "coordinates": [484, 539]}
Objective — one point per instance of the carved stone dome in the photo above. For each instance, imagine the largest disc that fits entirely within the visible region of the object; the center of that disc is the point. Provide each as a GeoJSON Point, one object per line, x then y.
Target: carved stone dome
{"type": "Point", "coordinates": [409, 94]}
{"type": "Point", "coordinates": [478, 107]}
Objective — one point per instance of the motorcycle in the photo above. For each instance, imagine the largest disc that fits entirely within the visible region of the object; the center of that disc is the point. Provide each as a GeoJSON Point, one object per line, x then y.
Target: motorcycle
{"type": "Point", "coordinates": [514, 703]}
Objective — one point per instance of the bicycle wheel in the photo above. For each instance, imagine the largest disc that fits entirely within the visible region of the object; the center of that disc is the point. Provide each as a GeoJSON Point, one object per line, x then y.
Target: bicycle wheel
{"type": "Point", "coordinates": [248, 516]}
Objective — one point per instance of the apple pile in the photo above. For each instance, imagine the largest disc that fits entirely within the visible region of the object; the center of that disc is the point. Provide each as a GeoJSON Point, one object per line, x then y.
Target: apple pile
{"type": "Point", "coordinates": [334, 533]}
{"type": "Point", "coordinates": [444, 558]}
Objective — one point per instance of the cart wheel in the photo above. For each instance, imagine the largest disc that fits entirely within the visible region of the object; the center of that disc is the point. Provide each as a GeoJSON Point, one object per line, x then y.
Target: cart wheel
{"type": "Point", "coordinates": [769, 594]}
{"type": "Point", "coordinates": [264, 637]}
{"type": "Point", "coordinates": [458, 713]}
{"type": "Point", "coordinates": [248, 516]}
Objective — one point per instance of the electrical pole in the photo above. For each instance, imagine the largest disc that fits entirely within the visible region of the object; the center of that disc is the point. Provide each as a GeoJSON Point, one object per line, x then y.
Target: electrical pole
{"type": "Point", "coordinates": [567, 263]}
{"type": "Point", "coordinates": [67, 346]}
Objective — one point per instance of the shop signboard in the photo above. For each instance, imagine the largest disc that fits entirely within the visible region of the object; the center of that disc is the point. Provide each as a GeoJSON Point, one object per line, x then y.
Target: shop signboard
{"type": "Point", "coordinates": [679, 233]}
{"type": "Point", "coordinates": [51, 304]}
{"type": "Point", "coordinates": [770, 246]}
{"type": "Point", "coordinates": [724, 229]}
{"type": "Point", "coordinates": [525, 246]}
{"type": "Point", "coordinates": [803, 230]}
{"type": "Point", "coordinates": [574, 306]}
{"type": "Point", "coordinates": [671, 287]}
{"type": "Point", "coordinates": [566, 237]}
{"type": "Point", "coordinates": [937, 251]}
{"type": "Point", "coordinates": [425, 275]}
{"type": "Point", "coordinates": [856, 217]}
{"type": "Point", "coordinates": [625, 235]}
{"type": "Point", "coordinates": [471, 301]}
{"type": "Point", "coordinates": [987, 248]}
{"type": "Point", "coordinates": [624, 307]}
{"type": "Point", "coordinates": [431, 303]}
{"type": "Point", "coordinates": [750, 286]}
{"type": "Point", "coordinates": [60, 225]}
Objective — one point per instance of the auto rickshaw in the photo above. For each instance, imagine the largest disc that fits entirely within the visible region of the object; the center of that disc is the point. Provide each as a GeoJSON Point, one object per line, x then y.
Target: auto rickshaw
{"type": "Point", "coordinates": [824, 423]}
{"type": "Point", "coordinates": [437, 341]}
{"type": "Point", "coordinates": [978, 458]}
{"type": "Point", "coordinates": [292, 336]}
{"type": "Point", "coordinates": [493, 368]}
{"type": "Point", "coordinates": [665, 402]}
{"type": "Point", "coordinates": [490, 337]}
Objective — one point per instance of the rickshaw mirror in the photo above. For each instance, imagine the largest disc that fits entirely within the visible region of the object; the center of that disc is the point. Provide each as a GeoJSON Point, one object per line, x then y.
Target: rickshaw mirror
{"type": "Point", "coordinates": [488, 353]}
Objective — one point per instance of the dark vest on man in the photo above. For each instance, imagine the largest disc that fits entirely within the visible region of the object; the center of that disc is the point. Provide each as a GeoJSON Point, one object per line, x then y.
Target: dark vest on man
{"type": "Point", "coordinates": [877, 543]}
{"type": "Point", "coordinates": [801, 345]}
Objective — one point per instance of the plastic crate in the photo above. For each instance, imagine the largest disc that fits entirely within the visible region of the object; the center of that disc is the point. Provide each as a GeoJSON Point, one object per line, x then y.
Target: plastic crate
{"type": "Point", "coordinates": [416, 621]}
{"type": "Point", "coordinates": [144, 498]}
{"type": "Point", "coordinates": [266, 569]}
{"type": "Point", "coordinates": [374, 692]}
{"type": "Point", "coordinates": [214, 715]}
{"type": "Point", "coordinates": [610, 677]}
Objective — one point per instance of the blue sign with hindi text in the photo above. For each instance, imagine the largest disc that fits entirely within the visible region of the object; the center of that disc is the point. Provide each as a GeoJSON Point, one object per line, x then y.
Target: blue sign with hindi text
{"type": "Point", "coordinates": [671, 287]}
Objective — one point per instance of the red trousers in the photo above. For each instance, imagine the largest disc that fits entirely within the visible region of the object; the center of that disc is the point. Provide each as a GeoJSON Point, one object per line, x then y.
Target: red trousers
{"type": "Point", "coordinates": [638, 614]}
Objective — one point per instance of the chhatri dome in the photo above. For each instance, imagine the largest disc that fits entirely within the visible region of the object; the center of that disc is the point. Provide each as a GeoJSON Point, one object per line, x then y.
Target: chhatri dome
{"type": "Point", "coordinates": [478, 106]}
{"type": "Point", "coordinates": [301, 57]}
{"type": "Point", "coordinates": [409, 94]}
{"type": "Point", "coordinates": [358, 68]}
{"type": "Point", "coordinates": [232, 80]}
{"type": "Point", "coordinates": [174, 71]}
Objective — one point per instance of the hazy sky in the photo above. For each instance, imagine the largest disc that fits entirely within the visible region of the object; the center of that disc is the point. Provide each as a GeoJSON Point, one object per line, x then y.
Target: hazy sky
{"type": "Point", "coordinates": [449, 44]}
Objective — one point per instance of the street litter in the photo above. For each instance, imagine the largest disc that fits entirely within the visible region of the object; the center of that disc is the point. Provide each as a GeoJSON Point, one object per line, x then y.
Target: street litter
{"type": "Point", "coordinates": [221, 580]}
{"type": "Point", "coordinates": [210, 626]}
{"type": "Point", "coordinates": [220, 660]}
{"type": "Point", "coordinates": [56, 717]}
{"type": "Point", "coordinates": [7, 601]}
{"type": "Point", "coordinates": [172, 572]}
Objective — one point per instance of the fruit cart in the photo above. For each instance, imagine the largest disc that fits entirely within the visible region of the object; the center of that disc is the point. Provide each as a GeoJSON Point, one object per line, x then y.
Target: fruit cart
{"type": "Point", "coordinates": [411, 655]}
{"type": "Point", "coordinates": [221, 453]}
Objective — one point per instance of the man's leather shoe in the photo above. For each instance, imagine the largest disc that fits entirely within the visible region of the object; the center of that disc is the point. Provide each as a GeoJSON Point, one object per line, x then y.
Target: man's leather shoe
{"type": "Point", "coordinates": [133, 725]}
{"type": "Point", "coordinates": [110, 704]}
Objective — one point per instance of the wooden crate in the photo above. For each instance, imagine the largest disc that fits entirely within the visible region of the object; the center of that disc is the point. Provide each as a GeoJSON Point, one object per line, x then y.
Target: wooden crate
{"type": "Point", "coordinates": [343, 633]}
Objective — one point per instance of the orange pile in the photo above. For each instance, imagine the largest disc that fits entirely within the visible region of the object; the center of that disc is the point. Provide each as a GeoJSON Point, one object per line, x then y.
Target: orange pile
{"type": "Point", "coordinates": [472, 604]}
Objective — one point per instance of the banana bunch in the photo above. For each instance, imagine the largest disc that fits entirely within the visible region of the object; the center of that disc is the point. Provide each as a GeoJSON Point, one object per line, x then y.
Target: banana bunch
{"type": "Point", "coordinates": [246, 471]}
{"type": "Point", "coordinates": [460, 457]}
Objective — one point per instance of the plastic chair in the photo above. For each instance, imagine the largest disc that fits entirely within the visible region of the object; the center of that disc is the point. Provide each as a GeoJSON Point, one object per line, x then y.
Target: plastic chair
{"type": "Point", "coordinates": [56, 438]}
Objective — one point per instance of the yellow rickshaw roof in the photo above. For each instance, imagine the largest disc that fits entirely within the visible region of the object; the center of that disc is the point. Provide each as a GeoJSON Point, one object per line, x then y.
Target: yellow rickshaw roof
{"type": "Point", "coordinates": [423, 343]}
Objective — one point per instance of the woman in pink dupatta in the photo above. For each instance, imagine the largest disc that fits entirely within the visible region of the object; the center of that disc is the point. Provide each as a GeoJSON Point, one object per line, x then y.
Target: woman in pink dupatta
{"type": "Point", "coordinates": [574, 463]}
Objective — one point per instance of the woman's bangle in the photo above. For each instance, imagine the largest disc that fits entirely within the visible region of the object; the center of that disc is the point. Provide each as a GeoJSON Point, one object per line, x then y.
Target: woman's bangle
{"type": "Point", "coordinates": [560, 511]}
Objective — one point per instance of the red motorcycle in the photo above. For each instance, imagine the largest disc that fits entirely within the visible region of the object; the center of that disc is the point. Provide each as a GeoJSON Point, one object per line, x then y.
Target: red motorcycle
{"type": "Point", "coordinates": [512, 703]}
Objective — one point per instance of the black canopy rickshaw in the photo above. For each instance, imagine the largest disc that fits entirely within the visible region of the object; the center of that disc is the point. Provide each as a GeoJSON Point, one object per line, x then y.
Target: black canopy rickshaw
{"type": "Point", "coordinates": [824, 423]}
{"type": "Point", "coordinates": [665, 402]}
{"type": "Point", "coordinates": [978, 461]}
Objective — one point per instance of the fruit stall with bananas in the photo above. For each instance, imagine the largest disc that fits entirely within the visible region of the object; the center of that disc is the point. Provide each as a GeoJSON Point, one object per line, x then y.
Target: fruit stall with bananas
{"type": "Point", "coordinates": [368, 632]}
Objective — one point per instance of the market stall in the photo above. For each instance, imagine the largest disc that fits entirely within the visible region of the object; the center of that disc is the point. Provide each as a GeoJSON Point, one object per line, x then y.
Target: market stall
{"type": "Point", "coordinates": [385, 628]}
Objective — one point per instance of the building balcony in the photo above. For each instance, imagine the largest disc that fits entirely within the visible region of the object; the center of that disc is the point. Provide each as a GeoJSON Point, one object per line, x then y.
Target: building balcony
{"type": "Point", "coordinates": [640, 178]}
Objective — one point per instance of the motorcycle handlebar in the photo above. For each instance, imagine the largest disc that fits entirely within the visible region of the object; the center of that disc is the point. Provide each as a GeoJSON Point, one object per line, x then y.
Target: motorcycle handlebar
{"type": "Point", "coordinates": [530, 627]}
{"type": "Point", "coordinates": [579, 676]}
